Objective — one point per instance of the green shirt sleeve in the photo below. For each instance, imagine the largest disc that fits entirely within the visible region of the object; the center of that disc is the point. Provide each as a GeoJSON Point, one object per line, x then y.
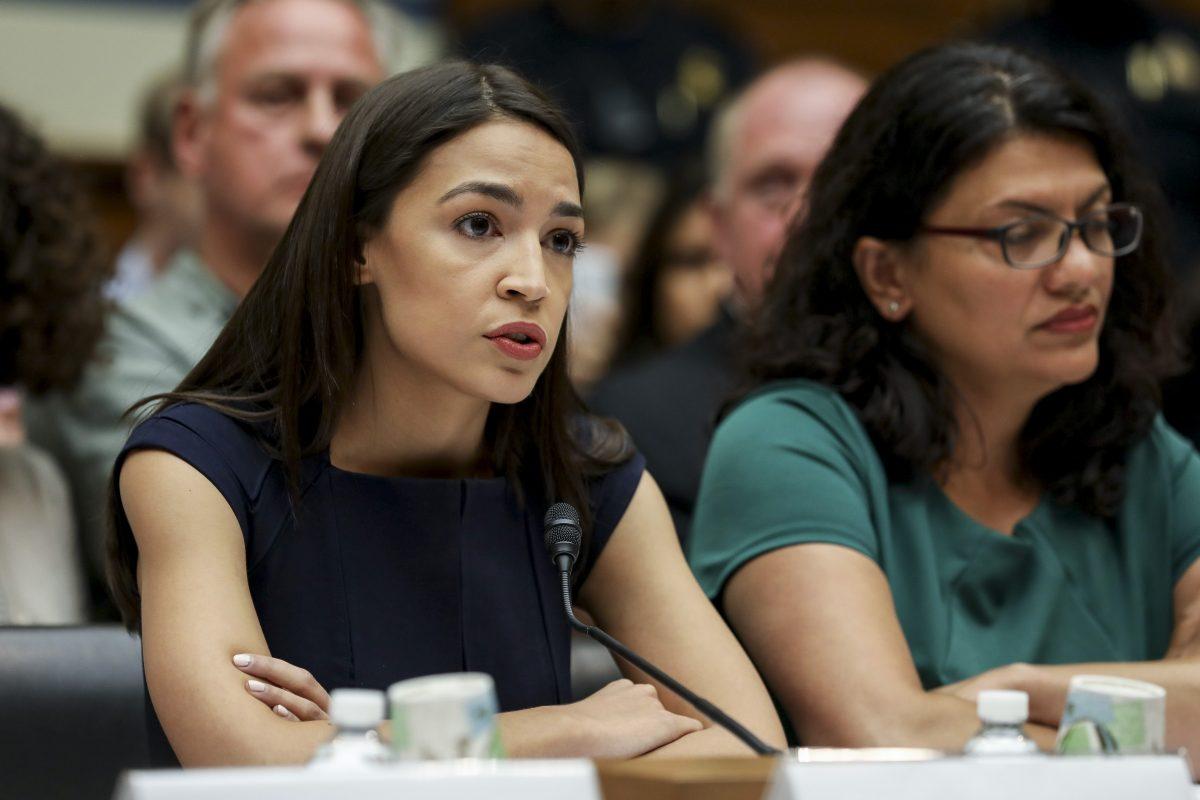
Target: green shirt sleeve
{"type": "Point", "coordinates": [791, 465]}
{"type": "Point", "coordinates": [1184, 470]}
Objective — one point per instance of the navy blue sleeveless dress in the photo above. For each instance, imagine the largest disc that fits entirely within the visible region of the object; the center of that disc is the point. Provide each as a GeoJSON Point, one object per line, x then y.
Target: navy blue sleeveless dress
{"type": "Point", "coordinates": [373, 579]}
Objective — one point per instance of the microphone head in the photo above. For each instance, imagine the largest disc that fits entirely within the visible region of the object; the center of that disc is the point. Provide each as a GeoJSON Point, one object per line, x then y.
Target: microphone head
{"type": "Point", "coordinates": [562, 532]}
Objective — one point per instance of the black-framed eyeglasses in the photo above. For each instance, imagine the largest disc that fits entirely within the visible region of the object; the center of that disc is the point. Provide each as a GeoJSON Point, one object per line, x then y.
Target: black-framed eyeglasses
{"type": "Point", "coordinates": [1042, 239]}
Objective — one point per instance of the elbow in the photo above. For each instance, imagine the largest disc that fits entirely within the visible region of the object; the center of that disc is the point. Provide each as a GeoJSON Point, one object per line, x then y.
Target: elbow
{"type": "Point", "coordinates": [882, 725]}
{"type": "Point", "coordinates": [279, 743]}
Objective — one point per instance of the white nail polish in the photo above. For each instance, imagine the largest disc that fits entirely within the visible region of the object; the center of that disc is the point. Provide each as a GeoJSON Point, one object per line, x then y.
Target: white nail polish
{"type": "Point", "coordinates": [280, 710]}
{"type": "Point", "coordinates": [256, 686]}
{"type": "Point", "coordinates": [242, 660]}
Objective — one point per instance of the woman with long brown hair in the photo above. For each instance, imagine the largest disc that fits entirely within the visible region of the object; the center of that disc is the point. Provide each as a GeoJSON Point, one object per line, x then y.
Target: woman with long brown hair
{"type": "Point", "coordinates": [348, 489]}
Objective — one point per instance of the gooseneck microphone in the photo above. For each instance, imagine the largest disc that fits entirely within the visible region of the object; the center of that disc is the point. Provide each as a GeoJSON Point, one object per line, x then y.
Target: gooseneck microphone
{"type": "Point", "coordinates": [563, 536]}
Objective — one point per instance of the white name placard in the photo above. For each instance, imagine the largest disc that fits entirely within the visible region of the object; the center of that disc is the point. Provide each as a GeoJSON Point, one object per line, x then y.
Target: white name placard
{"type": "Point", "coordinates": [441, 780]}
{"type": "Point", "coordinates": [994, 778]}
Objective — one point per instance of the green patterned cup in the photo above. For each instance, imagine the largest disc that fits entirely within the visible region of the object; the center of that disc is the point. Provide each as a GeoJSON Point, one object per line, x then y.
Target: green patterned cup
{"type": "Point", "coordinates": [443, 717]}
{"type": "Point", "coordinates": [1108, 715]}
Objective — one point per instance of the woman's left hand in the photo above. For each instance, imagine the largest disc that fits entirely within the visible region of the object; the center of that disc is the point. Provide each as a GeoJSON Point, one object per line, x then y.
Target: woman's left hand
{"type": "Point", "coordinates": [290, 691]}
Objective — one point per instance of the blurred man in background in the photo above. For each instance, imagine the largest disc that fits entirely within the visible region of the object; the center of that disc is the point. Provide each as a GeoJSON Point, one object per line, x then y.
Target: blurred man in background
{"type": "Point", "coordinates": [267, 82]}
{"type": "Point", "coordinates": [166, 202]}
{"type": "Point", "coordinates": [763, 150]}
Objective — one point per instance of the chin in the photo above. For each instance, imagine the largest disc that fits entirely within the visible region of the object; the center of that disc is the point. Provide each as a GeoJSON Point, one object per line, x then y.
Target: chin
{"type": "Point", "coordinates": [1073, 374]}
{"type": "Point", "coordinates": [510, 389]}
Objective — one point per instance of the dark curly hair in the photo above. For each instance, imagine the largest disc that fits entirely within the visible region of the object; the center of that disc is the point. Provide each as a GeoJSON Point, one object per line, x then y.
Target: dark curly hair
{"type": "Point", "coordinates": [52, 270]}
{"type": "Point", "coordinates": [922, 124]}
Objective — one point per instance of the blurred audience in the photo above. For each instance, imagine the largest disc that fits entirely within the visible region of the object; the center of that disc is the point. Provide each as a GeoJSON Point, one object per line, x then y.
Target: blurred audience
{"type": "Point", "coordinates": [763, 149]}
{"type": "Point", "coordinates": [167, 203]}
{"type": "Point", "coordinates": [677, 282]}
{"type": "Point", "coordinates": [266, 84]}
{"type": "Point", "coordinates": [640, 78]}
{"type": "Point", "coordinates": [52, 274]}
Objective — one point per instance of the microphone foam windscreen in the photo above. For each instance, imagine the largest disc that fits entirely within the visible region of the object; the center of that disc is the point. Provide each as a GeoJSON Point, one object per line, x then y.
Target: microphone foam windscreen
{"type": "Point", "coordinates": [561, 524]}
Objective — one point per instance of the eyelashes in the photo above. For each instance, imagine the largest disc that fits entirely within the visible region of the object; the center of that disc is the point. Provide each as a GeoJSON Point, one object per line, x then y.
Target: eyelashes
{"type": "Point", "coordinates": [469, 224]}
{"type": "Point", "coordinates": [481, 225]}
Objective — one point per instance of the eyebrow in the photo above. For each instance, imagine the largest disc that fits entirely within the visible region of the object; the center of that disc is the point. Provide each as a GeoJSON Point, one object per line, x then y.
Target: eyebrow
{"type": "Point", "coordinates": [505, 194]}
{"type": "Point", "coordinates": [1092, 198]}
{"type": "Point", "coordinates": [496, 191]}
{"type": "Point", "coordinates": [567, 209]}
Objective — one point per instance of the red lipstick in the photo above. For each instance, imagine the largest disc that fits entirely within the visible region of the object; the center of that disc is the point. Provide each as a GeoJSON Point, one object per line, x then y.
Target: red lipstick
{"type": "Point", "coordinates": [1075, 319]}
{"type": "Point", "coordinates": [520, 340]}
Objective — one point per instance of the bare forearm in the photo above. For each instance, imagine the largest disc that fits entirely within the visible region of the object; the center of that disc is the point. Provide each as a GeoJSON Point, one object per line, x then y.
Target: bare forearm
{"type": "Point", "coordinates": [935, 720]}
{"type": "Point", "coordinates": [948, 725]}
{"type": "Point", "coordinates": [1047, 687]}
{"type": "Point", "coordinates": [713, 741]}
{"type": "Point", "coordinates": [274, 744]}
{"type": "Point", "coordinates": [534, 733]}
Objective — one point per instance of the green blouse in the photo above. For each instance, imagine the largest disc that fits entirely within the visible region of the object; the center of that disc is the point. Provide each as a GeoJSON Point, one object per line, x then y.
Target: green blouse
{"type": "Point", "coordinates": [793, 464]}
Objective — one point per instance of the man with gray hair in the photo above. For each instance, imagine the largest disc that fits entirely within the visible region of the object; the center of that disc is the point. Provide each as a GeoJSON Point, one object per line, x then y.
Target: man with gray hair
{"type": "Point", "coordinates": [266, 84]}
{"type": "Point", "coordinates": [763, 149]}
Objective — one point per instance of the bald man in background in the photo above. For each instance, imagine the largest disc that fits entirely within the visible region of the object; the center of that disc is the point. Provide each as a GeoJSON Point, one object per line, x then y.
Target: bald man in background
{"type": "Point", "coordinates": [266, 83]}
{"type": "Point", "coordinates": [763, 149]}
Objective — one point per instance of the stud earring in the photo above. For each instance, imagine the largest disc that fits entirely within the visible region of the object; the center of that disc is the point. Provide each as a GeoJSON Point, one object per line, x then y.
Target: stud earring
{"type": "Point", "coordinates": [893, 307]}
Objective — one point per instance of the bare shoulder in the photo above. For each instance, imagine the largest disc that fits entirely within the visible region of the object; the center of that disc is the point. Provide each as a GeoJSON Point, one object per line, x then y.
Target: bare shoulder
{"type": "Point", "coordinates": [164, 497]}
{"type": "Point", "coordinates": [645, 530]}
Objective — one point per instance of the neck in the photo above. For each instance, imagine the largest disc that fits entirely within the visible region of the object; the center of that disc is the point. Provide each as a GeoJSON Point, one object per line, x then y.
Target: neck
{"type": "Point", "coordinates": [400, 423]}
{"type": "Point", "coordinates": [986, 453]}
{"type": "Point", "coordinates": [234, 255]}
{"type": "Point", "coordinates": [159, 243]}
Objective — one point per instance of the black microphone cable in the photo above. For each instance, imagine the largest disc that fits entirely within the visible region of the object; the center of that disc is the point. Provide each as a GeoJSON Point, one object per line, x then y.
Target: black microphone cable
{"type": "Point", "coordinates": [563, 536]}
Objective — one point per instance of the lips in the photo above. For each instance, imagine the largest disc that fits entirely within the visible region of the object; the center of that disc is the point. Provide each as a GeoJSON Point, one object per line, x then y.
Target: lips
{"type": "Point", "coordinates": [1076, 319]}
{"type": "Point", "coordinates": [523, 341]}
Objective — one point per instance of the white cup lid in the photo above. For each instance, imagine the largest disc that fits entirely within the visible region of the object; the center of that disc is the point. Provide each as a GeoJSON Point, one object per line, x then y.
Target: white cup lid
{"type": "Point", "coordinates": [1003, 707]}
{"type": "Point", "coordinates": [356, 708]}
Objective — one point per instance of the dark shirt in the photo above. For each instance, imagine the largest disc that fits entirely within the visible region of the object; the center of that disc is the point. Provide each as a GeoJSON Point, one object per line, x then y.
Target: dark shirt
{"type": "Point", "coordinates": [375, 579]}
{"type": "Point", "coordinates": [669, 405]}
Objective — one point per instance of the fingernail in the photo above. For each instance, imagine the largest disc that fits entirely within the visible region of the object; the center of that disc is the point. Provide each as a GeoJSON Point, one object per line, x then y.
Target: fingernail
{"type": "Point", "coordinates": [242, 660]}
{"type": "Point", "coordinates": [280, 710]}
{"type": "Point", "coordinates": [256, 686]}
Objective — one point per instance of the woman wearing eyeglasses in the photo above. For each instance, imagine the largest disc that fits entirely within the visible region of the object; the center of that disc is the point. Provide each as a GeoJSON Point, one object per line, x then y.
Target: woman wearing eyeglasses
{"type": "Point", "coordinates": [951, 473]}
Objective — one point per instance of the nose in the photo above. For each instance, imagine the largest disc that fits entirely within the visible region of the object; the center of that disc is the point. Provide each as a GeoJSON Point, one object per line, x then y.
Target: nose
{"type": "Point", "coordinates": [321, 118]}
{"type": "Point", "coordinates": [525, 275]}
{"type": "Point", "coordinates": [1077, 269]}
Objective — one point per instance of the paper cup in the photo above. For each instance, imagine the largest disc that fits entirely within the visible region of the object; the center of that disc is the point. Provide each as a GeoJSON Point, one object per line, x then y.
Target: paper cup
{"type": "Point", "coordinates": [1108, 715]}
{"type": "Point", "coordinates": [443, 717]}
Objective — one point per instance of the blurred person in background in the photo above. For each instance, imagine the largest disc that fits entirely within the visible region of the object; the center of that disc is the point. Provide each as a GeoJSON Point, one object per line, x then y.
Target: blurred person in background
{"type": "Point", "coordinates": [951, 473]}
{"type": "Point", "coordinates": [267, 82]}
{"type": "Point", "coordinates": [677, 282]}
{"type": "Point", "coordinates": [763, 150]}
{"type": "Point", "coordinates": [166, 202]}
{"type": "Point", "coordinates": [620, 198]}
{"type": "Point", "coordinates": [52, 274]}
